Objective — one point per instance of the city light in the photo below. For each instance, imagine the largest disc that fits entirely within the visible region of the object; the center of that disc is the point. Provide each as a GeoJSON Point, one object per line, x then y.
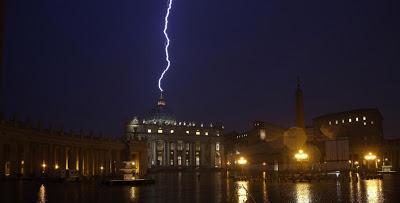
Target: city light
{"type": "Point", "coordinates": [133, 163]}
{"type": "Point", "coordinates": [370, 156]}
{"type": "Point", "coordinates": [301, 156]}
{"type": "Point", "coordinates": [56, 166]}
{"type": "Point", "coordinates": [242, 161]}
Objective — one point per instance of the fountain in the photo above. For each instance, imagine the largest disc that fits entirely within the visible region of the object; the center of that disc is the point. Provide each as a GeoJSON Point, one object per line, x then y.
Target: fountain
{"type": "Point", "coordinates": [130, 176]}
{"type": "Point", "coordinates": [129, 170]}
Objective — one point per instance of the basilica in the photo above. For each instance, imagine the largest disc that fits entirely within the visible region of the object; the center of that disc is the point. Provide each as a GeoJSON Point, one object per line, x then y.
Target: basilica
{"type": "Point", "coordinates": [177, 144]}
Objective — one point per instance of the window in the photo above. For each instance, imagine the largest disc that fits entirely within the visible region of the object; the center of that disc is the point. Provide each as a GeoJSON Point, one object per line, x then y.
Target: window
{"type": "Point", "coordinates": [336, 122]}
{"type": "Point", "coordinates": [160, 145]}
{"type": "Point", "coordinates": [197, 146]}
{"type": "Point", "coordinates": [365, 123]}
{"type": "Point", "coordinates": [172, 146]}
{"type": "Point", "coordinates": [357, 119]}
{"type": "Point", "coordinates": [187, 146]}
{"type": "Point", "coordinates": [330, 122]}
{"type": "Point", "coordinates": [205, 133]}
{"type": "Point", "coordinates": [197, 161]}
{"type": "Point", "coordinates": [217, 146]}
{"type": "Point", "coordinates": [180, 145]}
{"type": "Point", "coordinates": [148, 130]}
{"type": "Point", "coordinates": [349, 120]}
{"type": "Point", "coordinates": [172, 131]}
{"type": "Point", "coordinates": [179, 160]}
{"type": "Point", "coordinates": [342, 120]}
{"type": "Point", "coordinates": [187, 131]}
{"type": "Point", "coordinates": [197, 132]}
{"type": "Point", "coordinates": [372, 122]}
{"type": "Point", "coordinates": [159, 160]}
{"type": "Point", "coordinates": [364, 118]}
{"type": "Point", "coordinates": [171, 162]}
{"type": "Point", "coordinates": [159, 131]}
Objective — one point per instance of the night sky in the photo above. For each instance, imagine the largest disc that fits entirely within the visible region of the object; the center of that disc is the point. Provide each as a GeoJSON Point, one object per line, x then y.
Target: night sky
{"type": "Point", "coordinates": [94, 64]}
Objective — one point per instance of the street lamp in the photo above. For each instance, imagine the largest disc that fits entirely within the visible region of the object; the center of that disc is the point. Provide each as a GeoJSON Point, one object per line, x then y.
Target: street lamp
{"type": "Point", "coordinates": [369, 157]}
{"type": "Point", "coordinates": [301, 156]}
{"type": "Point", "coordinates": [241, 161]}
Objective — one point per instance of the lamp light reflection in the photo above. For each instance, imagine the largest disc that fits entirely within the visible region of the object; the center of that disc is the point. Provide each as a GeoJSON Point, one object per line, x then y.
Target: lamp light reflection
{"type": "Point", "coordinates": [42, 194]}
{"type": "Point", "coordinates": [242, 187]}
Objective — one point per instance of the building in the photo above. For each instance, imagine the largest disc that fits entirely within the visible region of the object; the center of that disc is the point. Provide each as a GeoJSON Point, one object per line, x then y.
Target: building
{"type": "Point", "coordinates": [362, 127]}
{"type": "Point", "coordinates": [177, 144]}
{"type": "Point", "coordinates": [28, 150]}
{"type": "Point", "coordinates": [390, 154]}
{"type": "Point", "coordinates": [261, 145]}
{"type": "Point", "coordinates": [267, 144]}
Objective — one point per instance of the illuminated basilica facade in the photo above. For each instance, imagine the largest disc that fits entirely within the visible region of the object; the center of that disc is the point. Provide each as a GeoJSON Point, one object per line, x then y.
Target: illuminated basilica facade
{"type": "Point", "coordinates": [177, 144]}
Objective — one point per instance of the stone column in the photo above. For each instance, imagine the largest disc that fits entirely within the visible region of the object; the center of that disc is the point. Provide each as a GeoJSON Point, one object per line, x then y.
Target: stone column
{"type": "Point", "coordinates": [14, 159]}
{"type": "Point", "coordinates": [175, 154]}
{"type": "Point", "coordinates": [63, 158]}
{"type": "Point", "coordinates": [27, 159]}
{"type": "Point", "coordinates": [81, 161]}
{"type": "Point", "coordinates": [2, 162]}
{"type": "Point", "coordinates": [153, 152]}
{"type": "Point", "coordinates": [51, 161]}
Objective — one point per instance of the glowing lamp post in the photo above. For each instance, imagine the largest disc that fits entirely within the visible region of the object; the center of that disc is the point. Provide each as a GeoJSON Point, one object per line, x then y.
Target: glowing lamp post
{"type": "Point", "coordinates": [369, 157]}
{"type": "Point", "coordinates": [300, 157]}
{"type": "Point", "coordinates": [241, 161]}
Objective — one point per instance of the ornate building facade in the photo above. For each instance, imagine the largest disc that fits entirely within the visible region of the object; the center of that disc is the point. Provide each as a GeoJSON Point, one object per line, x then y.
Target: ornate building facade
{"type": "Point", "coordinates": [177, 144]}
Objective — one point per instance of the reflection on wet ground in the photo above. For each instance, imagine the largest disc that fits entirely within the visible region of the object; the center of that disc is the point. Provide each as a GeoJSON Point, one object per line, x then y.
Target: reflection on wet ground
{"type": "Point", "coordinates": [210, 187]}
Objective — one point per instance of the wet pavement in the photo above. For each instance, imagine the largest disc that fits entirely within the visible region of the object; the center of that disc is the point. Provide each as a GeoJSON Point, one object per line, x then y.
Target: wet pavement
{"type": "Point", "coordinates": [208, 187]}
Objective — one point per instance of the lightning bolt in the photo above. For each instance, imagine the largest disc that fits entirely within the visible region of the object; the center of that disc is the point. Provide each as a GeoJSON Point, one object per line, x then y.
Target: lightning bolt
{"type": "Point", "coordinates": [166, 45]}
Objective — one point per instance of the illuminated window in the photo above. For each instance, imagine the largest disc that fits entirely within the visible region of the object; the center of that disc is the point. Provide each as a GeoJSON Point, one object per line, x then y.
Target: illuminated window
{"type": "Point", "coordinates": [342, 120]}
{"type": "Point", "coordinates": [205, 133]}
{"type": "Point", "coordinates": [364, 118]}
{"type": "Point", "coordinates": [187, 131]}
{"type": "Point", "coordinates": [330, 122]}
{"type": "Point", "coordinates": [365, 123]}
{"type": "Point", "coordinates": [159, 131]}
{"type": "Point", "coordinates": [148, 130]}
{"type": "Point", "coordinates": [187, 146]}
{"type": "Point", "coordinates": [197, 161]}
{"type": "Point", "coordinates": [337, 122]}
{"type": "Point", "coordinates": [217, 146]}
{"type": "Point", "coordinates": [197, 132]}
{"type": "Point", "coordinates": [172, 131]}
{"type": "Point", "coordinates": [357, 119]}
{"type": "Point", "coordinates": [179, 160]}
{"type": "Point", "coordinates": [372, 122]}
{"type": "Point", "coordinates": [349, 120]}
